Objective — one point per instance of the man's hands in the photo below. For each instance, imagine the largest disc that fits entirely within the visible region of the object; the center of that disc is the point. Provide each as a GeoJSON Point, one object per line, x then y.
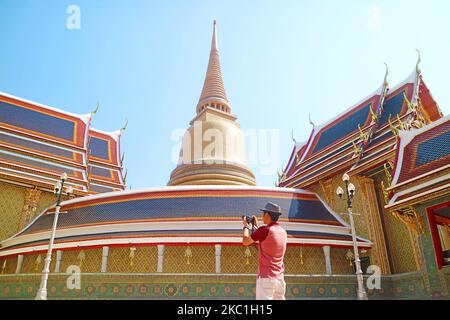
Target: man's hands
{"type": "Point", "coordinates": [246, 238]}
{"type": "Point", "coordinates": [255, 224]}
{"type": "Point", "coordinates": [255, 220]}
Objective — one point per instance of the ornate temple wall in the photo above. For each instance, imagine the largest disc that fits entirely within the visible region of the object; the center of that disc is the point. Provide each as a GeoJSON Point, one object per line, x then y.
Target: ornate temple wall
{"type": "Point", "coordinates": [299, 260]}
{"type": "Point", "coordinates": [403, 255]}
{"type": "Point", "coordinates": [368, 223]}
{"type": "Point", "coordinates": [207, 286]}
{"type": "Point", "coordinates": [19, 206]}
{"type": "Point", "coordinates": [12, 200]}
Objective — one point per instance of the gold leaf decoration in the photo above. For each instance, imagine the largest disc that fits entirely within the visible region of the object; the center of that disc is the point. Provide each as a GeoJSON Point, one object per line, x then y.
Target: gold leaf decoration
{"type": "Point", "coordinates": [188, 254]}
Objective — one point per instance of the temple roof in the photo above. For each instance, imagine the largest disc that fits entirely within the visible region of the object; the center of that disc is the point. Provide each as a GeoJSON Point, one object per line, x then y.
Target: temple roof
{"type": "Point", "coordinates": [361, 138]}
{"type": "Point", "coordinates": [422, 168]}
{"type": "Point", "coordinates": [104, 163]}
{"type": "Point", "coordinates": [38, 143]}
{"type": "Point", "coordinates": [190, 214]}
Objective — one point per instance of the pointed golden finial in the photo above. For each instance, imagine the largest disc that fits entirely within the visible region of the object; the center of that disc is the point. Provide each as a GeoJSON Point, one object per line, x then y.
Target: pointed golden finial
{"type": "Point", "coordinates": [372, 114]}
{"type": "Point", "coordinates": [125, 126]}
{"type": "Point", "coordinates": [402, 125]}
{"type": "Point", "coordinates": [96, 109]}
{"type": "Point", "coordinates": [419, 60]}
{"type": "Point", "coordinates": [121, 159]}
{"type": "Point", "coordinates": [393, 128]}
{"type": "Point", "coordinates": [297, 159]}
{"type": "Point", "coordinates": [125, 176]}
{"type": "Point", "coordinates": [362, 135]}
{"type": "Point", "coordinates": [385, 193]}
{"type": "Point", "coordinates": [356, 150]}
{"type": "Point", "coordinates": [388, 174]}
{"type": "Point", "coordinates": [408, 103]}
{"type": "Point", "coordinates": [214, 45]}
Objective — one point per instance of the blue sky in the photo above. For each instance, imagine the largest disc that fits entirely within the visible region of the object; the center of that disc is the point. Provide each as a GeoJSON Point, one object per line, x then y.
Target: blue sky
{"type": "Point", "coordinates": [281, 60]}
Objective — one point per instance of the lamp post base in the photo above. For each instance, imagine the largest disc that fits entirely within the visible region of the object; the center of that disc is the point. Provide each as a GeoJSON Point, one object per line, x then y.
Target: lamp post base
{"type": "Point", "coordinates": [41, 294]}
{"type": "Point", "coordinates": [362, 295]}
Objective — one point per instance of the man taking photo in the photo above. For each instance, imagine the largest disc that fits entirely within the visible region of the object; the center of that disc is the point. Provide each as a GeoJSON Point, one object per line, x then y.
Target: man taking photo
{"type": "Point", "coordinates": [271, 240]}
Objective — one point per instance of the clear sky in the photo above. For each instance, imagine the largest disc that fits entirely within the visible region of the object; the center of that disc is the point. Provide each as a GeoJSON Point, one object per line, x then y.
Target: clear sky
{"type": "Point", "coordinates": [281, 60]}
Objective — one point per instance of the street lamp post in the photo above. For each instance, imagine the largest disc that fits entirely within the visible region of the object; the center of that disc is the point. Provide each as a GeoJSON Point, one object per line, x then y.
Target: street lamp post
{"type": "Point", "coordinates": [59, 190]}
{"type": "Point", "coordinates": [350, 193]}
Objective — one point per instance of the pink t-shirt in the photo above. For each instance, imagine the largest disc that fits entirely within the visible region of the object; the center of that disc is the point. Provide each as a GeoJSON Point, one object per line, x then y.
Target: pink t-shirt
{"type": "Point", "coordinates": [272, 246]}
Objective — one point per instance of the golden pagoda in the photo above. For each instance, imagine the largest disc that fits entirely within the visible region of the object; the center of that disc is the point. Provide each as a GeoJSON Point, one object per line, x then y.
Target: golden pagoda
{"type": "Point", "coordinates": [213, 147]}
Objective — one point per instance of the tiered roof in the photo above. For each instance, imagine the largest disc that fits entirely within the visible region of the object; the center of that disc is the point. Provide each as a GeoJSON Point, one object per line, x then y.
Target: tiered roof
{"type": "Point", "coordinates": [105, 166]}
{"type": "Point", "coordinates": [361, 138]}
{"type": "Point", "coordinates": [38, 143]}
{"type": "Point", "coordinates": [422, 169]}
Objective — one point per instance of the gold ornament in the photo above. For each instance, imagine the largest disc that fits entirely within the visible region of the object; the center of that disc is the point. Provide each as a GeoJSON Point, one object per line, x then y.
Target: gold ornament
{"type": "Point", "coordinates": [349, 256]}
{"type": "Point", "coordinates": [4, 266]}
{"type": "Point", "coordinates": [301, 255]}
{"type": "Point", "coordinates": [132, 254]}
{"type": "Point", "coordinates": [188, 254]}
{"type": "Point", "coordinates": [247, 255]}
{"type": "Point", "coordinates": [37, 262]}
{"type": "Point", "coordinates": [81, 256]}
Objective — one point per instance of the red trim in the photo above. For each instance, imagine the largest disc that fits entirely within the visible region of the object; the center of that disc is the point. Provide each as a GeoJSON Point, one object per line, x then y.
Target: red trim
{"type": "Point", "coordinates": [435, 233]}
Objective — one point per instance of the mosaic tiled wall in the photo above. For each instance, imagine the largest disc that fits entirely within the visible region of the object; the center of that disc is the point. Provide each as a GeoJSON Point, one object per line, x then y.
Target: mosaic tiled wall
{"type": "Point", "coordinates": [12, 200]}
{"type": "Point", "coordinates": [239, 259]}
{"type": "Point", "coordinates": [305, 260]}
{"type": "Point", "coordinates": [164, 286]}
{"type": "Point", "coordinates": [398, 240]}
{"type": "Point", "coordinates": [184, 259]}
{"type": "Point", "coordinates": [189, 259]}
{"type": "Point", "coordinates": [19, 206]}
{"type": "Point", "coordinates": [327, 191]}
{"type": "Point", "coordinates": [339, 263]}
{"type": "Point", "coordinates": [436, 280]}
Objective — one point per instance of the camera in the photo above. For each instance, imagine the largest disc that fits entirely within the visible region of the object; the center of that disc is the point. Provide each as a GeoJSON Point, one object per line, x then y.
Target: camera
{"type": "Point", "coordinates": [250, 221]}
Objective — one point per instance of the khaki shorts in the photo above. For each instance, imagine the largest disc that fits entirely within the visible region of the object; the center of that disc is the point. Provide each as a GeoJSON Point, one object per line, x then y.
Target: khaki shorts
{"type": "Point", "coordinates": [270, 289]}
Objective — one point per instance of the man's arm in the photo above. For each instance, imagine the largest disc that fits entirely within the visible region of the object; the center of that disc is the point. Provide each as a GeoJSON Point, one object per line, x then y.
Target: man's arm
{"type": "Point", "coordinates": [246, 239]}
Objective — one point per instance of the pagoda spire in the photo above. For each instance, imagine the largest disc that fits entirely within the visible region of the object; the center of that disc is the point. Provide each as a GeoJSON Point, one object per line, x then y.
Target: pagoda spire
{"type": "Point", "coordinates": [213, 93]}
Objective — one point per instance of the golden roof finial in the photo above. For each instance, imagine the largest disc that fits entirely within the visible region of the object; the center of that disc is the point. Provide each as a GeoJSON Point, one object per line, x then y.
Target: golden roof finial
{"type": "Point", "coordinates": [386, 74]}
{"type": "Point", "coordinates": [96, 109]}
{"type": "Point", "coordinates": [419, 60]}
{"type": "Point", "coordinates": [125, 125]}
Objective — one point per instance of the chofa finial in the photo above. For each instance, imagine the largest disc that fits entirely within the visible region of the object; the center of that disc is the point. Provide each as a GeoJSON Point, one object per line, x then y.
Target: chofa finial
{"type": "Point", "coordinates": [419, 60]}
{"type": "Point", "coordinates": [310, 121]}
{"type": "Point", "coordinates": [125, 126]}
{"type": "Point", "coordinates": [386, 74]}
{"type": "Point", "coordinates": [292, 136]}
{"type": "Point", "coordinates": [96, 109]}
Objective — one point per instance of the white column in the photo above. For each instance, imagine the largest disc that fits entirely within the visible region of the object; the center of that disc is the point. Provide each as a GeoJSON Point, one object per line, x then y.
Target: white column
{"type": "Point", "coordinates": [218, 255]}
{"type": "Point", "coordinates": [326, 252]}
{"type": "Point", "coordinates": [160, 258]}
{"type": "Point", "coordinates": [19, 263]}
{"type": "Point", "coordinates": [58, 260]}
{"type": "Point", "coordinates": [105, 253]}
